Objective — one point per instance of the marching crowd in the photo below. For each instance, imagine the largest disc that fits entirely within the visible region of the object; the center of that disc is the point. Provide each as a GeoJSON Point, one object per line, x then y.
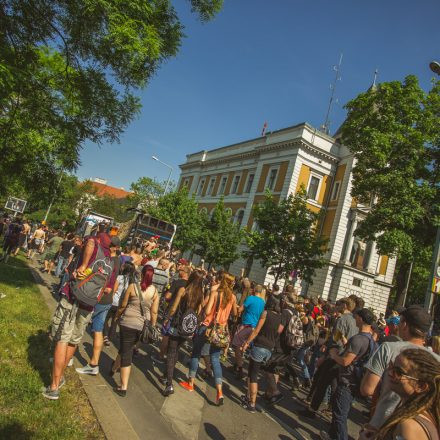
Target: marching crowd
{"type": "Point", "coordinates": [335, 352]}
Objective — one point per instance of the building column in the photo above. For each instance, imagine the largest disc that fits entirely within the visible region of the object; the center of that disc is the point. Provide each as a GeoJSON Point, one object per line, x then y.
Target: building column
{"type": "Point", "coordinates": [371, 267]}
{"type": "Point", "coordinates": [350, 241]}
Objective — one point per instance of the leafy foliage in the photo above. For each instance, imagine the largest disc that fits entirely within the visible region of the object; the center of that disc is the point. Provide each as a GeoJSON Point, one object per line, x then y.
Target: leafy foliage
{"type": "Point", "coordinates": [286, 239]}
{"type": "Point", "coordinates": [176, 207]}
{"type": "Point", "coordinates": [146, 192]}
{"type": "Point", "coordinates": [219, 237]}
{"type": "Point", "coordinates": [69, 71]}
{"type": "Point", "coordinates": [394, 133]}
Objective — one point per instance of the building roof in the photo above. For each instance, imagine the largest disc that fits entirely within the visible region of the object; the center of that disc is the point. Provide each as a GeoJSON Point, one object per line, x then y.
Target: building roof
{"type": "Point", "coordinates": [107, 190]}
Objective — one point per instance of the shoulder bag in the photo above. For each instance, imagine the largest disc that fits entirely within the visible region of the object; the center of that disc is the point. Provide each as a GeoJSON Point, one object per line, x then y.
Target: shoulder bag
{"type": "Point", "coordinates": [218, 334]}
{"type": "Point", "coordinates": [149, 333]}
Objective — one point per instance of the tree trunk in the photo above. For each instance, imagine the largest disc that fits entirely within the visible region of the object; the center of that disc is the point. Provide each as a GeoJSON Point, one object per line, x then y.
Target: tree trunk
{"type": "Point", "coordinates": [401, 278]}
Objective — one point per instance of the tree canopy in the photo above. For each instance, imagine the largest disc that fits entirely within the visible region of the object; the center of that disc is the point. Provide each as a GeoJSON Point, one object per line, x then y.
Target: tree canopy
{"type": "Point", "coordinates": [219, 237]}
{"type": "Point", "coordinates": [69, 72]}
{"type": "Point", "coordinates": [393, 130]}
{"type": "Point", "coordinates": [285, 238]}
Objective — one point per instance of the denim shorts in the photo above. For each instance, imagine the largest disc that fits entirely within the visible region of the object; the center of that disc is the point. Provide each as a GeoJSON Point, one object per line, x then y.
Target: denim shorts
{"type": "Point", "coordinates": [260, 354]}
{"type": "Point", "coordinates": [99, 315]}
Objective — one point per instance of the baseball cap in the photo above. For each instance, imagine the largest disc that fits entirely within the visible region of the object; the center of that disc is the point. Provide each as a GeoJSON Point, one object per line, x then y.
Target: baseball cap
{"type": "Point", "coordinates": [183, 261]}
{"type": "Point", "coordinates": [366, 315]}
{"type": "Point", "coordinates": [393, 320]}
{"type": "Point", "coordinates": [115, 241]}
{"type": "Point", "coordinates": [416, 316]}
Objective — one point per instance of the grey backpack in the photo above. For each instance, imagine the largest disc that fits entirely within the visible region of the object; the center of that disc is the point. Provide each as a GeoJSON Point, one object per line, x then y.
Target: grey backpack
{"type": "Point", "coordinates": [90, 289]}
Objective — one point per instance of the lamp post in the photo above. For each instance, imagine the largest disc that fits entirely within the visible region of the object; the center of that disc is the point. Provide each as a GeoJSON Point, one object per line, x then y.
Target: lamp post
{"type": "Point", "coordinates": [53, 198]}
{"type": "Point", "coordinates": [169, 175]}
{"type": "Point", "coordinates": [434, 279]}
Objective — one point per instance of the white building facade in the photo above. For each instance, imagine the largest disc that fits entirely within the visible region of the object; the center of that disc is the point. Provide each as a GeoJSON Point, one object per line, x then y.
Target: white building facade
{"type": "Point", "coordinates": [283, 161]}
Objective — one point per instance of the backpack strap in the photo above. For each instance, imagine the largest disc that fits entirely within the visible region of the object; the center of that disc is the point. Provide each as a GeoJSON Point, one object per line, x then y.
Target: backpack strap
{"type": "Point", "coordinates": [428, 426]}
{"type": "Point", "coordinates": [141, 300]}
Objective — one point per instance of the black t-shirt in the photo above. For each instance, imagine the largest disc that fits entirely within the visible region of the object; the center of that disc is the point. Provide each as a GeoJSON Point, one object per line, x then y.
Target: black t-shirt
{"type": "Point", "coordinates": [359, 345]}
{"type": "Point", "coordinates": [175, 286]}
{"type": "Point", "coordinates": [268, 335]}
{"type": "Point", "coordinates": [66, 246]}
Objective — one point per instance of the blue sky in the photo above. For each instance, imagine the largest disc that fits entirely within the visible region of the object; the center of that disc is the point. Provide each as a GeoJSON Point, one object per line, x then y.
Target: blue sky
{"type": "Point", "coordinates": [265, 60]}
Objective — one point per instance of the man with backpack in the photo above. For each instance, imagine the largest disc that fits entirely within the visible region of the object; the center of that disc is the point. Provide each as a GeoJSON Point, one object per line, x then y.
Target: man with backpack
{"type": "Point", "coordinates": [79, 297]}
{"type": "Point", "coordinates": [351, 367]}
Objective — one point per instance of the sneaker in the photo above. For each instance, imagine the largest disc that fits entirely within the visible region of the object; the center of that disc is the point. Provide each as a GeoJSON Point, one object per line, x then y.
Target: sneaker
{"type": "Point", "coordinates": [276, 399]}
{"type": "Point", "coordinates": [93, 371]}
{"type": "Point", "coordinates": [219, 400]}
{"type": "Point", "coordinates": [187, 386]}
{"type": "Point", "coordinates": [62, 382]}
{"type": "Point", "coordinates": [244, 399]}
{"type": "Point", "coordinates": [250, 408]}
{"type": "Point", "coordinates": [324, 435]}
{"type": "Point", "coordinates": [70, 362]}
{"type": "Point", "coordinates": [168, 390]}
{"type": "Point", "coordinates": [51, 394]}
{"type": "Point", "coordinates": [156, 359]}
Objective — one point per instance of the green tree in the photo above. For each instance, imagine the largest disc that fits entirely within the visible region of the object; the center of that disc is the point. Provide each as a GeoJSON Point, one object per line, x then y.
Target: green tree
{"type": "Point", "coordinates": [69, 72]}
{"type": "Point", "coordinates": [393, 131]}
{"type": "Point", "coordinates": [146, 192]}
{"type": "Point", "coordinates": [219, 237]}
{"type": "Point", "coordinates": [285, 238]}
{"type": "Point", "coordinates": [178, 208]}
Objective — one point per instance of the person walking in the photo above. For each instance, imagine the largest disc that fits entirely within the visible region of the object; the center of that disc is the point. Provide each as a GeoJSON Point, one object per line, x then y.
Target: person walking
{"type": "Point", "coordinates": [414, 376]}
{"type": "Point", "coordinates": [140, 304]}
{"type": "Point", "coordinates": [186, 306]}
{"type": "Point", "coordinates": [37, 241]}
{"type": "Point", "coordinates": [221, 303]}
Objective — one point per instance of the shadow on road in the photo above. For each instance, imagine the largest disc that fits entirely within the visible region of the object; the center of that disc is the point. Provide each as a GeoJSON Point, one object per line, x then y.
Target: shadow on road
{"type": "Point", "coordinates": [39, 346]}
{"type": "Point", "coordinates": [213, 432]}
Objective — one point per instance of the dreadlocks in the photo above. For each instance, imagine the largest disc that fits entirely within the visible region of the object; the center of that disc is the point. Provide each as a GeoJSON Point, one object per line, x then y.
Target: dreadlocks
{"type": "Point", "coordinates": [427, 370]}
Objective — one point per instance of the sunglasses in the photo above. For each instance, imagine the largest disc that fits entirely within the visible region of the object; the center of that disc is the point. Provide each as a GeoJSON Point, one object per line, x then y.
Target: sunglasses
{"type": "Point", "coordinates": [398, 373]}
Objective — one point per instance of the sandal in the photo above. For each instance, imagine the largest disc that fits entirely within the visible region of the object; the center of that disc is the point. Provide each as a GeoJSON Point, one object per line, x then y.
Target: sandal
{"type": "Point", "coordinates": [120, 392]}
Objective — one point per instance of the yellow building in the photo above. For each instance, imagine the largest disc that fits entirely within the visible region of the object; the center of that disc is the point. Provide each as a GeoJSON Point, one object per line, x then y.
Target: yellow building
{"type": "Point", "coordinates": [282, 161]}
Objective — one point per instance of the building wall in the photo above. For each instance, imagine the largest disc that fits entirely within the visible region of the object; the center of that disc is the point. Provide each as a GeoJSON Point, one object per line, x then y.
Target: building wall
{"type": "Point", "coordinates": [298, 153]}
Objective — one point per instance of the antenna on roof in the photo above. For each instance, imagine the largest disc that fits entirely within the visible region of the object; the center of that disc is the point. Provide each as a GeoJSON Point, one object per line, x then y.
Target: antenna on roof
{"type": "Point", "coordinates": [326, 126]}
{"type": "Point", "coordinates": [375, 77]}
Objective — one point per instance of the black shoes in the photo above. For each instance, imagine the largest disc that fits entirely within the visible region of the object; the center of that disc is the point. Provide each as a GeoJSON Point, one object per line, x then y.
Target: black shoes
{"type": "Point", "coordinates": [163, 380]}
{"type": "Point", "coordinates": [168, 390]}
{"type": "Point", "coordinates": [120, 392]}
{"type": "Point", "coordinates": [276, 399]}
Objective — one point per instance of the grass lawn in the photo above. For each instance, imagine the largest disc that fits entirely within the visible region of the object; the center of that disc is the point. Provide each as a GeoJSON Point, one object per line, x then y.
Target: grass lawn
{"type": "Point", "coordinates": [25, 368]}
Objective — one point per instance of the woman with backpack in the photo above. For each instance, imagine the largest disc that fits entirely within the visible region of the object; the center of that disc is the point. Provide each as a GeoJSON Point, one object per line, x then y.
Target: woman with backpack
{"type": "Point", "coordinates": [181, 323]}
{"type": "Point", "coordinates": [214, 332]}
{"type": "Point", "coordinates": [140, 304]}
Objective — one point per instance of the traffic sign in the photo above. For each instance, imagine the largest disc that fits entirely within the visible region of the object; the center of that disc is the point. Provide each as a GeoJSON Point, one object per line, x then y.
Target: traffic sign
{"type": "Point", "coordinates": [14, 204]}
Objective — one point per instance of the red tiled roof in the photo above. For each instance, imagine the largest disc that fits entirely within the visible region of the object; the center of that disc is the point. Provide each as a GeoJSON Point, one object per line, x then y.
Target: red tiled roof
{"type": "Point", "coordinates": [106, 190]}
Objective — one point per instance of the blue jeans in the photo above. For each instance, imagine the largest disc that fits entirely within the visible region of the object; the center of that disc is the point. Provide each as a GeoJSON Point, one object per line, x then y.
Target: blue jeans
{"type": "Point", "coordinates": [214, 353]}
{"type": "Point", "coordinates": [300, 356]}
{"type": "Point", "coordinates": [62, 262]}
{"type": "Point", "coordinates": [341, 404]}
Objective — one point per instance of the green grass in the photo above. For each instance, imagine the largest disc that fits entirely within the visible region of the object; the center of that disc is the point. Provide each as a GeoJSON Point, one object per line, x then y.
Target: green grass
{"type": "Point", "coordinates": [25, 368]}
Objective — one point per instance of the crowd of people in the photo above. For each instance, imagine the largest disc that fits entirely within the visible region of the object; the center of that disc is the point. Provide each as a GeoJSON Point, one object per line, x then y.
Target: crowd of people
{"type": "Point", "coordinates": [334, 352]}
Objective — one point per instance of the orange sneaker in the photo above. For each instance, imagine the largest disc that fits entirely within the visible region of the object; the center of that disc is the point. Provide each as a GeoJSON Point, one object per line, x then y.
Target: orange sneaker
{"type": "Point", "coordinates": [219, 400]}
{"type": "Point", "coordinates": [187, 386]}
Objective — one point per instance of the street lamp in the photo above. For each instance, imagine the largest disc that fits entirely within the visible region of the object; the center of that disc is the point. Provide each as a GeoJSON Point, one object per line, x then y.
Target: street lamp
{"type": "Point", "coordinates": [169, 175]}
{"type": "Point", "coordinates": [434, 279]}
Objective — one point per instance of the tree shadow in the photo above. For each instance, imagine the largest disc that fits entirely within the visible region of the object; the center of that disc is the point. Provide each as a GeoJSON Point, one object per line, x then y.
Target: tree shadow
{"type": "Point", "coordinates": [38, 349]}
{"type": "Point", "coordinates": [212, 432]}
{"type": "Point", "coordinates": [16, 431]}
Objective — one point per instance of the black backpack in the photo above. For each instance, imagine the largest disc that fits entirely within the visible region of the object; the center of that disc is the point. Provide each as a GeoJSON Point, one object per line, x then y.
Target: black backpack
{"type": "Point", "coordinates": [186, 321]}
{"type": "Point", "coordinates": [90, 289]}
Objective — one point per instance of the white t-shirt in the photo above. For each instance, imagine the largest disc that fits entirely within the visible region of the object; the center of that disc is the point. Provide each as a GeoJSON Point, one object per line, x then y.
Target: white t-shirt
{"type": "Point", "coordinates": [122, 287]}
{"type": "Point", "coordinates": [377, 364]}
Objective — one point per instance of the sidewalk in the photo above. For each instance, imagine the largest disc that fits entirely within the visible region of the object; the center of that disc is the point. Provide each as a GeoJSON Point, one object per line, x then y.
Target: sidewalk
{"type": "Point", "coordinates": [145, 414]}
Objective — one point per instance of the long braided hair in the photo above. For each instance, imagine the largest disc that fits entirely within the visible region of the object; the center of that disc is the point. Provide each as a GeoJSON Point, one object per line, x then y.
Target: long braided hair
{"type": "Point", "coordinates": [426, 368]}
